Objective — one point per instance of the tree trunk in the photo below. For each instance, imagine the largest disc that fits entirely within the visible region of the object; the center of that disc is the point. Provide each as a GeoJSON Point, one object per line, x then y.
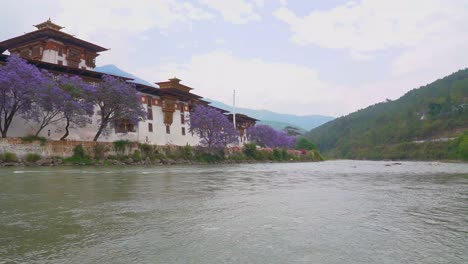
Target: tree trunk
{"type": "Point", "coordinates": [66, 130]}
{"type": "Point", "coordinates": [101, 127]}
{"type": "Point", "coordinates": [39, 131]}
{"type": "Point", "coordinates": [4, 134]}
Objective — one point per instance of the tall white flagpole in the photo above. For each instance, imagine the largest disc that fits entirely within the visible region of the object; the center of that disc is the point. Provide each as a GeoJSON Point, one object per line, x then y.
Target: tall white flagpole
{"type": "Point", "coordinates": [234, 109]}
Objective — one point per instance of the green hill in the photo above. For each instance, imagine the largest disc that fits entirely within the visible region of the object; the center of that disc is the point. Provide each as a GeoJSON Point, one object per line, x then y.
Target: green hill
{"type": "Point", "coordinates": [422, 124]}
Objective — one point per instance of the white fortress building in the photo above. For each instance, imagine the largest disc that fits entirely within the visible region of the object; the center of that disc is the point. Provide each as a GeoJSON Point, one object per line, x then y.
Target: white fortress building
{"type": "Point", "coordinates": [168, 106]}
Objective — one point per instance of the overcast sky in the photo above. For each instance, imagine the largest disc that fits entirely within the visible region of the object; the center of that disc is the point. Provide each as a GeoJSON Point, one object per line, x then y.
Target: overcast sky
{"type": "Point", "coordinates": [302, 57]}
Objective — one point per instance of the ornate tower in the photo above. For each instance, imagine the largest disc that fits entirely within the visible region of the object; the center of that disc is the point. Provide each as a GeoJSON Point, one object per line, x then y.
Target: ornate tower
{"type": "Point", "coordinates": [49, 44]}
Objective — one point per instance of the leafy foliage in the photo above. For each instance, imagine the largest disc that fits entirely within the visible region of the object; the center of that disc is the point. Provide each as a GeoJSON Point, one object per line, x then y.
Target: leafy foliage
{"type": "Point", "coordinates": [116, 100]}
{"type": "Point", "coordinates": [463, 146]}
{"type": "Point", "coordinates": [213, 127]}
{"type": "Point", "coordinates": [79, 157]}
{"type": "Point", "coordinates": [100, 151]}
{"type": "Point", "coordinates": [120, 146]}
{"type": "Point", "coordinates": [439, 109]}
{"type": "Point", "coordinates": [292, 131]}
{"type": "Point", "coordinates": [10, 157]}
{"type": "Point", "coordinates": [32, 138]}
{"type": "Point", "coordinates": [32, 157]}
{"type": "Point", "coordinates": [19, 82]}
{"type": "Point", "coordinates": [304, 143]}
{"type": "Point", "coordinates": [136, 156]}
{"type": "Point", "coordinates": [78, 152]}
{"type": "Point", "coordinates": [250, 150]}
{"type": "Point", "coordinates": [266, 136]}
{"type": "Point", "coordinates": [78, 108]}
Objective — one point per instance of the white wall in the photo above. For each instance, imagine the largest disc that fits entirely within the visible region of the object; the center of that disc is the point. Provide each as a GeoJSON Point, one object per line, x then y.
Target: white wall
{"type": "Point", "coordinates": [21, 127]}
{"type": "Point", "coordinates": [52, 56]}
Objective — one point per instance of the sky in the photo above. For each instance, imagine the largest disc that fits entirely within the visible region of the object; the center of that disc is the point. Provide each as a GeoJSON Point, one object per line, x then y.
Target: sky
{"type": "Point", "coordinates": [325, 57]}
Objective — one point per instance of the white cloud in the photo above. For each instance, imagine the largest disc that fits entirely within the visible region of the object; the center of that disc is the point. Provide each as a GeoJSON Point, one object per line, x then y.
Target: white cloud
{"type": "Point", "coordinates": [427, 36]}
{"type": "Point", "coordinates": [236, 11]}
{"type": "Point", "coordinates": [372, 25]}
{"type": "Point", "coordinates": [259, 84]}
{"type": "Point", "coordinates": [134, 16]}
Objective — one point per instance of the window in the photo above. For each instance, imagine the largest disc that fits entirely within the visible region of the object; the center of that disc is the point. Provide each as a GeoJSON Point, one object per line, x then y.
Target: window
{"type": "Point", "coordinates": [124, 126]}
{"type": "Point", "coordinates": [60, 52]}
{"type": "Point", "coordinates": [149, 101]}
{"type": "Point", "coordinates": [59, 62]}
{"type": "Point", "coordinates": [183, 131]}
{"type": "Point", "coordinates": [182, 119]}
{"type": "Point", "coordinates": [150, 127]}
{"type": "Point", "coordinates": [36, 51]}
{"type": "Point", "coordinates": [168, 129]}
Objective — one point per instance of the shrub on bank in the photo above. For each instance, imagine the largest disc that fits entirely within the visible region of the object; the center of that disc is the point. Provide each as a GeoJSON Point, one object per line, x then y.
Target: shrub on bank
{"type": "Point", "coordinates": [32, 138]}
{"type": "Point", "coordinates": [136, 156]}
{"type": "Point", "coordinates": [9, 157]}
{"type": "Point", "coordinates": [79, 156]}
{"type": "Point", "coordinates": [188, 152]}
{"type": "Point", "coordinates": [250, 150]}
{"type": "Point", "coordinates": [210, 158]}
{"type": "Point", "coordinates": [463, 146]}
{"type": "Point", "coordinates": [32, 157]}
{"type": "Point", "coordinates": [146, 150]}
{"type": "Point", "coordinates": [100, 151]}
{"type": "Point", "coordinates": [120, 146]}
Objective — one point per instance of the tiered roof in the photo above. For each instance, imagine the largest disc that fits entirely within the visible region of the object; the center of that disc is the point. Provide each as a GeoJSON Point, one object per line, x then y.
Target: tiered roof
{"type": "Point", "coordinates": [48, 30]}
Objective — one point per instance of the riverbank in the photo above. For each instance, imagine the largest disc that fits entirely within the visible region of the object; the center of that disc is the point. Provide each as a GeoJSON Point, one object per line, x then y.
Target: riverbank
{"type": "Point", "coordinates": [40, 152]}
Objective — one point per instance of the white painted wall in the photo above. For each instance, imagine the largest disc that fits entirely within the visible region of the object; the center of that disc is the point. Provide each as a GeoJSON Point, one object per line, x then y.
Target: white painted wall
{"type": "Point", "coordinates": [21, 127]}
{"type": "Point", "coordinates": [52, 56]}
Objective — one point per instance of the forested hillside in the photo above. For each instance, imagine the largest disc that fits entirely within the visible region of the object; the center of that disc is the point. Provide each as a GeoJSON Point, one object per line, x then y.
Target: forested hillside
{"type": "Point", "coordinates": [433, 112]}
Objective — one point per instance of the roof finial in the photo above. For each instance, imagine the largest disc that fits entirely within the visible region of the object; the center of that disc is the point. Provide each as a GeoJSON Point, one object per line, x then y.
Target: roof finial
{"type": "Point", "coordinates": [175, 79]}
{"type": "Point", "coordinates": [48, 24]}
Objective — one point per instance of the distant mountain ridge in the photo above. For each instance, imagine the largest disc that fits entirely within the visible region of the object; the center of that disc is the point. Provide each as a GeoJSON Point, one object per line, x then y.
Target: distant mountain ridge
{"type": "Point", "coordinates": [276, 120]}
{"type": "Point", "coordinates": [306, 122]}
{"type": "Point", "coordinates": [114, 70]}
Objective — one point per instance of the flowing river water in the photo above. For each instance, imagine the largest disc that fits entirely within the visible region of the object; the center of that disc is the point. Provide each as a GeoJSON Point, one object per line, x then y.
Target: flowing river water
{"type": "Point", "coordinates": [326, 212]}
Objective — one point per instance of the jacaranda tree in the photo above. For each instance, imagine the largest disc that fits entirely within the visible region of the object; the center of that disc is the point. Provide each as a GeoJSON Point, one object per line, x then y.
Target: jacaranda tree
{"type": "Point", "coordinates": [266, 136]}
{"type": "Point", "coordinates": [19, 83]}
{"type": "Point", "coordinates": [48, 103]}
{"type": "Point", "coordinates": [116, 99]}
{"type": "Point", "coordinates": [78, 109]}
{"type": "Point", "coordinates": [212, 127]}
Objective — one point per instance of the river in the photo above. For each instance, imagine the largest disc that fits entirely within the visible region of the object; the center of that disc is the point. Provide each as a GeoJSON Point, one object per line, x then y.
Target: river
{"type": "Point", "coordinates": [326, 212]}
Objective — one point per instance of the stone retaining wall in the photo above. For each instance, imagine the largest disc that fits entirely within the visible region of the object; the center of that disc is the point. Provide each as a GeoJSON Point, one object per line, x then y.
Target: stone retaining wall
{"type": "Point", "coordinates": [51, 148]}
{"type": "Point", "coordinates": [65, 148]}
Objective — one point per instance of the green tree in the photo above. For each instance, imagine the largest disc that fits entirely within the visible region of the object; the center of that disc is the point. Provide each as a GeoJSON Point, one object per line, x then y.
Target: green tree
{"type": "Point", "coordinates": [463, 146]}
{"type": "Point", "coordinates": [304, 143]}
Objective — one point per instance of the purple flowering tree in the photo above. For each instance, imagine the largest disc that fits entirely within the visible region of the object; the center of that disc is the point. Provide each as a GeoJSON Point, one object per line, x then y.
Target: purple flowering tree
{"type": "Point", "coordinates": [116, 99]}
{"type": "Point", "coordinates": [212, 127]}
{"type": "Point", "coordinates": [61, 99]}
{"type": "Point", "coordinates": [47, 105]}
{"type": "Point", "coordinates": [78, 109]}
{"type": "Point", "coordinates": [19, 82]}
{"type": "Point", "coordinates": [266, 136]}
